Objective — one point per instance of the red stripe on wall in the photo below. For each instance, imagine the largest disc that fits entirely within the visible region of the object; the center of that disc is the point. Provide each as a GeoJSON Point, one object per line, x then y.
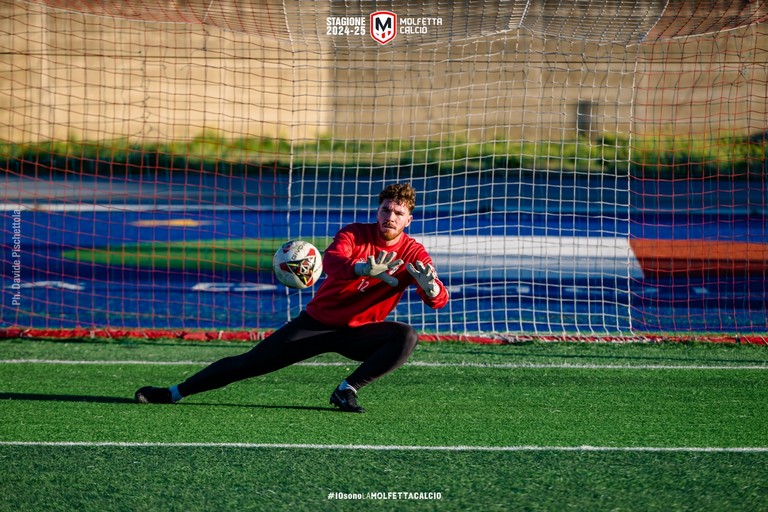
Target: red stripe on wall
{"type": "Point", "coordinates": [669, 258]}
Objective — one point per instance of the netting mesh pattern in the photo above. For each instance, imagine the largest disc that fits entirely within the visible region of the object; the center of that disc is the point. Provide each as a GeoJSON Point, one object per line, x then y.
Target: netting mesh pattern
{"type": "Point", "coordinates": [606, 21]}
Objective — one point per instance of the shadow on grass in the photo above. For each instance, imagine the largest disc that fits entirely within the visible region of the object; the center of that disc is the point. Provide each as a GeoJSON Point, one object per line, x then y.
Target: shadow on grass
{"type": "Point", "coordinates": [66, 398]}
{"type": "Point", "coordinates": [122, 400]}
{"type": "Point", "coordinates": [262, 406]}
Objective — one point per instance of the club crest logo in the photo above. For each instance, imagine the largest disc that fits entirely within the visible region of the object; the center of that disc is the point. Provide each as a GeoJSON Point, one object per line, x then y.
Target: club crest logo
{"type": "Point", "coordinates": [383, 26]}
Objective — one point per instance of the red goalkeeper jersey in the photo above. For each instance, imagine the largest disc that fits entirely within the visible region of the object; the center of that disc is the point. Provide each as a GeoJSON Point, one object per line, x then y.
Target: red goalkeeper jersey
{"type": "Point", "coordinates": [346, 299]}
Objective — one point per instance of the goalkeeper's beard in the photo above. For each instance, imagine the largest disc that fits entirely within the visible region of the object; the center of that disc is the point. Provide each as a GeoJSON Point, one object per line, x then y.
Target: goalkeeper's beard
{"type": "Point", "coordinates": [389, 232]}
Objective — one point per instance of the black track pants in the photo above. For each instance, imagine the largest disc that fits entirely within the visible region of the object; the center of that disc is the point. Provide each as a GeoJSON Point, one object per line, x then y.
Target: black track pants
{"type": "Point", "coordinates": [381, 347]}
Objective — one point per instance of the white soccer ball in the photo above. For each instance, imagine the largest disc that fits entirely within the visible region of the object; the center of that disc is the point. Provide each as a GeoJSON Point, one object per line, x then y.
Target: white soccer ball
{"type": "Point", "coordinates": [298, 264]}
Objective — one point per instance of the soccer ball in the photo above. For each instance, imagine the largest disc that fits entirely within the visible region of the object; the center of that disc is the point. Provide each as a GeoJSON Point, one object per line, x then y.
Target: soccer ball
{"type": "Point", "coordinates": [298, 264]}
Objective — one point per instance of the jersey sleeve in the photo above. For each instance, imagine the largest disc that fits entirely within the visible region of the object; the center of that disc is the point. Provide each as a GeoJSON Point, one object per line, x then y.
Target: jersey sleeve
{"type": "Point", "coordinates": [338, 260]}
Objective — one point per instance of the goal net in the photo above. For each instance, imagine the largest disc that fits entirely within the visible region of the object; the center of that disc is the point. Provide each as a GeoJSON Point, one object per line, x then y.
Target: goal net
{"type": "Point", "coordinates": [583, 168]}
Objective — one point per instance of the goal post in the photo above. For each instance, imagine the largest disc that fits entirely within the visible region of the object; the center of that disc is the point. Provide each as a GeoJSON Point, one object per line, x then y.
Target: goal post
{"type": "Point", "coordinates": [589, 168]}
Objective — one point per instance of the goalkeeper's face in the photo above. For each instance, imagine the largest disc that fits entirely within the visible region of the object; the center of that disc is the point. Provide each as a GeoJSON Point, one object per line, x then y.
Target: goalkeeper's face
{"type": "Point", "coordinates": [392, 218]}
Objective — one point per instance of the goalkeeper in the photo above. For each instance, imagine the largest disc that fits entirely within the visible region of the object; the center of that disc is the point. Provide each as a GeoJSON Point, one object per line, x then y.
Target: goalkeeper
{"type": "Point", "coordinates": [368, 268]}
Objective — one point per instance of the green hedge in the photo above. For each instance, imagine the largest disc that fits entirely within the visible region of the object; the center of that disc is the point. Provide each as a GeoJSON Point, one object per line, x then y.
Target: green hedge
{"type": "Point", "coordinates": [656, 157]}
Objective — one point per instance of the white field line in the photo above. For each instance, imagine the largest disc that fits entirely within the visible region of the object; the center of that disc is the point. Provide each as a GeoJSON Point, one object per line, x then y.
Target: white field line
{"type": "Point", "coordinates": [422, 364]}
{"type": "Point", "coordinates": [376, 447]}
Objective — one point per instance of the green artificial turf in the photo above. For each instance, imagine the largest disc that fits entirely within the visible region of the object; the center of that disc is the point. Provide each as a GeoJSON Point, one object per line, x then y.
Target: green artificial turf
{"type": "Point", "coordinates": [246, 253]}
{"type": "Point", "coordinates": [566, 426]}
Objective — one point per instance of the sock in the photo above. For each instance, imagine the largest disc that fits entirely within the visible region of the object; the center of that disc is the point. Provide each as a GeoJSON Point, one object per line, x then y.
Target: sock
{"type": "Point", "coordinates": [175, 395]}
{"type": "Point", "coordinates": [346, 385]}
